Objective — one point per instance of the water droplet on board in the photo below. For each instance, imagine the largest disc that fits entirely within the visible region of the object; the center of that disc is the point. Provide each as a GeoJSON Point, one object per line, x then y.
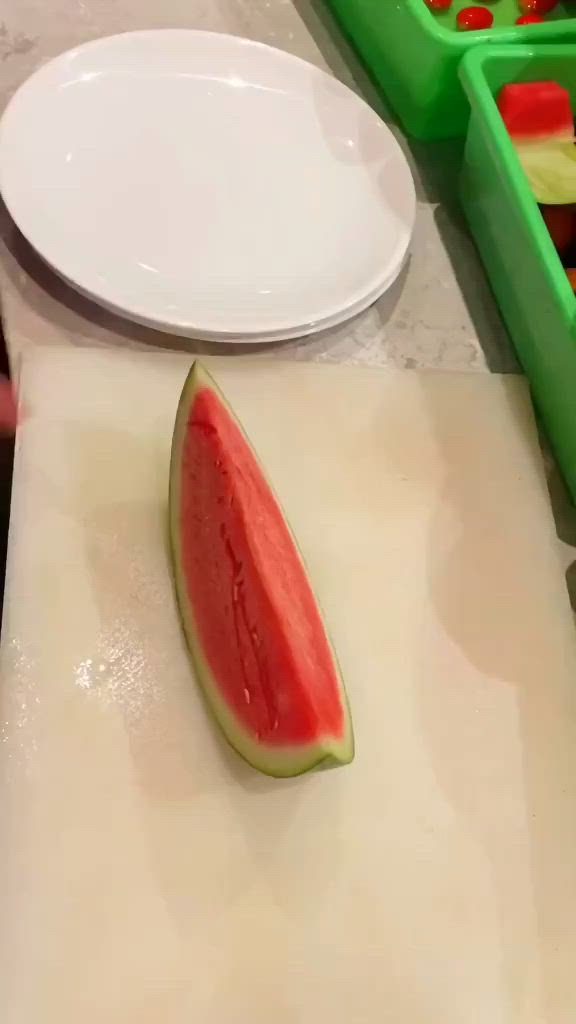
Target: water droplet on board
{"type": "Point", "coordinates": [17, 733]}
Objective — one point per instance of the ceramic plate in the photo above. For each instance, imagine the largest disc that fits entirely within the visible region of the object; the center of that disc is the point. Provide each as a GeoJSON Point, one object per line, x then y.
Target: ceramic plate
{"type": "Point", "coordinates": [207, 185]}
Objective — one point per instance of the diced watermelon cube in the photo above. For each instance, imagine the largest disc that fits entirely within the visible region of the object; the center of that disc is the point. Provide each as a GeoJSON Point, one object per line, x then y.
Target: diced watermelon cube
{"type": "Point", "coordinates": [537, 111]}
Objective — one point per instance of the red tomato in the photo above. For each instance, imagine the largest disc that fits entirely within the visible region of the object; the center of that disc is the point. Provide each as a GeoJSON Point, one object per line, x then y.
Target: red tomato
{"type": "Point", "coordinates": [530, 19]}
{"type": "Point", "coordinates": [537, 6]}
{"type": "Point", "coordinates": [473, 18]}
{"type": "Point", "coordinates": [439, 5]}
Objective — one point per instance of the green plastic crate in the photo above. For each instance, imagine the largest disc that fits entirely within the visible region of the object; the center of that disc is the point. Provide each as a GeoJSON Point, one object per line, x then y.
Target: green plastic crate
{"type": "Point", "coordinates": [414, 55]}
{"type": "Point", "coordinates": [525, 271]}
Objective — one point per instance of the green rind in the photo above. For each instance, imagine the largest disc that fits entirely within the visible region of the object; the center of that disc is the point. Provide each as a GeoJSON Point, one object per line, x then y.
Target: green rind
{"type": "Point", "coordinates": [278, 762]}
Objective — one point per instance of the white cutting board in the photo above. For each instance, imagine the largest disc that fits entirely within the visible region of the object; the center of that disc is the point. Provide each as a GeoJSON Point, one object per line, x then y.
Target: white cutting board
{"type": "Point", "coordinates": [146, 875]}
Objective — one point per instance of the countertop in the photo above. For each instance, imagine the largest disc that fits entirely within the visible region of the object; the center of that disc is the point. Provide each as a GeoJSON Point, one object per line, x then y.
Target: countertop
{"type": "Point", "coordinates": [440, 314]}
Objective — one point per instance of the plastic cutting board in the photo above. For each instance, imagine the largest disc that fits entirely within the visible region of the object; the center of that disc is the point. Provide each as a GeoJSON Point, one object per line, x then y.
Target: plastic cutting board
{"type": "Point", "coordinates": [146, 874]}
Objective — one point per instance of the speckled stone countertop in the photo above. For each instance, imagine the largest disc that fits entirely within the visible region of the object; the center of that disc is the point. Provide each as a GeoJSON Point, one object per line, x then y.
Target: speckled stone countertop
{"type": "Point", "coordinates": [440, 314]}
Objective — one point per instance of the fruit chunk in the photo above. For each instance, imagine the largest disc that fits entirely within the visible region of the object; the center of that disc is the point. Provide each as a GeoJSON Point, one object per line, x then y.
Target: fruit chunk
{"type": "Point", "coordinates": [551, 171]}
{"type": "Point", "coordinates": [561, 222]}
{"type": "Point", "coordinates": [472, 19]}
{"type": "Point", "coordinates": [538, 6]}
{"type": "Point", "coordinates": [537, 111]}
{"type": "Point", "coordinates": [255, 632]}
{"type": "Point", "coordinates": [538, 116]}
{"type": "Point", "coordinates": [530, 19]}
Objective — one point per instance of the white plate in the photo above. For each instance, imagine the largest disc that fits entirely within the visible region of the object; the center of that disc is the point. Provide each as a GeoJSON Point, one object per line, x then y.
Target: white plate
{"type": "Point", "coordinates": [206, 184]}
{"type": "Point", "coordinates": [303, 331]}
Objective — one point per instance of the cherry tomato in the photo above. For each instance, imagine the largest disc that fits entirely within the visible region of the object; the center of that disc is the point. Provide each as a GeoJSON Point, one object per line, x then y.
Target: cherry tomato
{"type": "Point", "coordinates": [439, 5]}
{"type": "Point", "coordinates": [530, 19]}
{"type": "Point", "coordinates": [537, 6]}
{"type": "Point", "coordinates": [470, 19]}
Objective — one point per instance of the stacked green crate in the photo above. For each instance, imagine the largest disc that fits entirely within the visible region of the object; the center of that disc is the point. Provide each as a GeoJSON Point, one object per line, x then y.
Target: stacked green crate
{"type": "Point", "coordinates": [414, 55]}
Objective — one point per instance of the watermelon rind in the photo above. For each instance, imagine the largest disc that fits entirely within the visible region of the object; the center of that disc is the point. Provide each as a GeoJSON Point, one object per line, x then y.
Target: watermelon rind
{"type": "Point", "coordinates": [276, 761]}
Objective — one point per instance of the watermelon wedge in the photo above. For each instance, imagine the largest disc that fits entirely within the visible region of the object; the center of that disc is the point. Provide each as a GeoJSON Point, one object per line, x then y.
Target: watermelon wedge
{"type": "Point", "coordinates": [254, 630]}
{"type": "Point", "coordinates": [539, 119]}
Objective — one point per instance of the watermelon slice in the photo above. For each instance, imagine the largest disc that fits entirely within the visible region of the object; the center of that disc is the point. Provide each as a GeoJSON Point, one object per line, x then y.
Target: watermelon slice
{"type": "Point", "coordinates": [537, 112]}
{"type": "Point", "coordinates": [253, 627]}
{"type": "Point", "coordinates": [539, 119]}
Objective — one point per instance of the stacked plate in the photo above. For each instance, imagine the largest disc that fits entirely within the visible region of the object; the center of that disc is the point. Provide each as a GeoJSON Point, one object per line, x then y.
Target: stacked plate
{"type": "Point", "coordinates": [207, 185]}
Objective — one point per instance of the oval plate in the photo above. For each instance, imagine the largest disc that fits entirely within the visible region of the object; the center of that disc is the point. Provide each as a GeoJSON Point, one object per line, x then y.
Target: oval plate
{"type": "Point", "coordinates": [207, 185]}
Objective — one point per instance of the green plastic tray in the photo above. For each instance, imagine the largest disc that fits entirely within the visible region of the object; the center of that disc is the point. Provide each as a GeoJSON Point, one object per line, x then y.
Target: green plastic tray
{"type": "Point", "coordinates": [525, 271]}
{"type": "Point", "coordinates": [414, 55]}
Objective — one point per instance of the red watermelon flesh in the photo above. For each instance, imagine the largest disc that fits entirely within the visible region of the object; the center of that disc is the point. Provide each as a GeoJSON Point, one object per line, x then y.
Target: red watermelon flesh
{"type": "Point", "coordinates": [539, 119]}
{"type": "Point", "coordinates": [254, 628]}
{"type": "Point", "coordinates": [537, 112]}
